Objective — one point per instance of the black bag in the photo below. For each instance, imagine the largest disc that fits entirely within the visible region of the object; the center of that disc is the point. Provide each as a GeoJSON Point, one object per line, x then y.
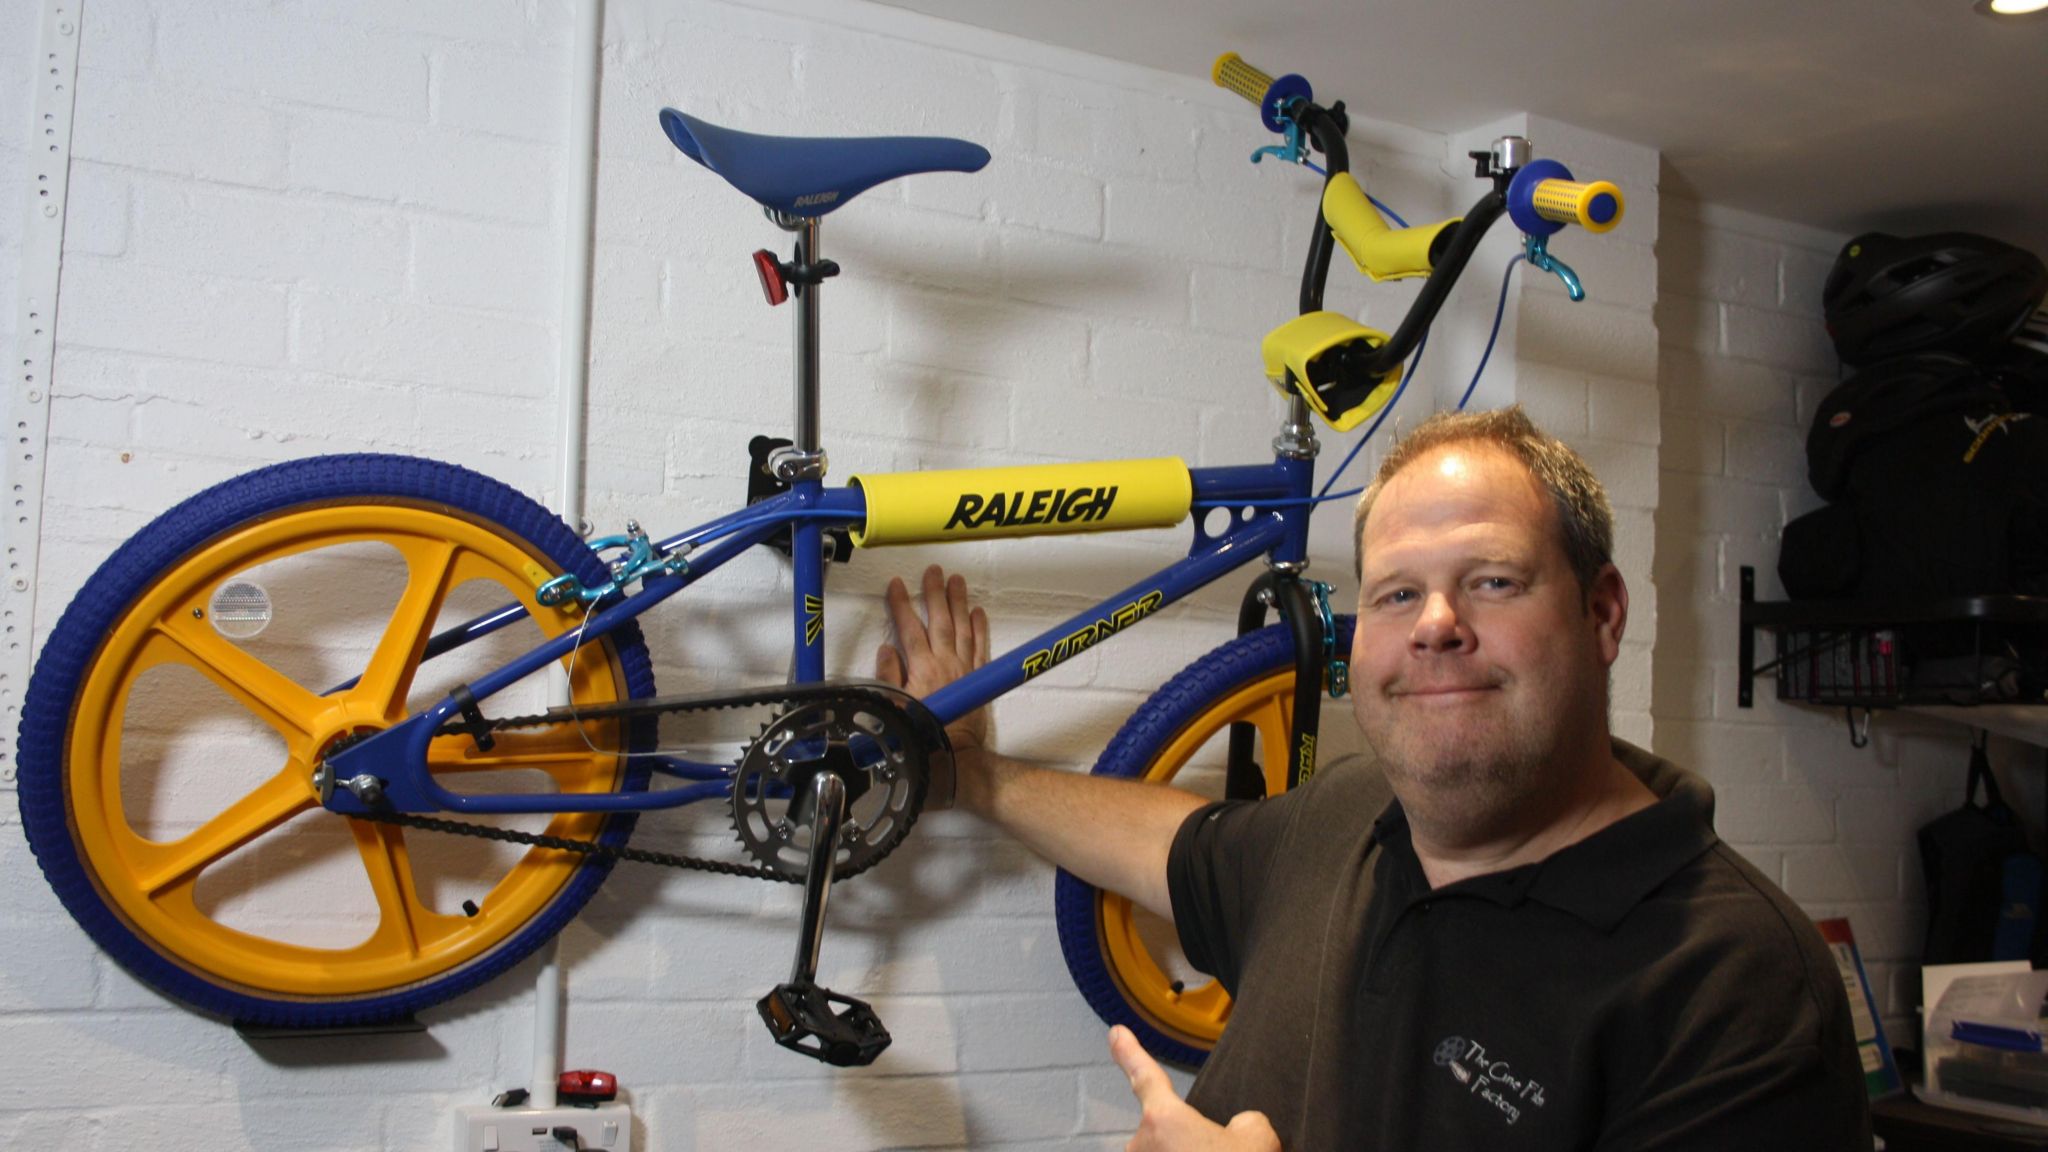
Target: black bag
{"type": "Point", "coordinates": [1856, 420]}
{"type": "Point", "coordinates": [1947, 481]}
{"type": "Point", "coordinates": [1964, 856]}
{"type": "Point", "coordinates": [1820, 556]}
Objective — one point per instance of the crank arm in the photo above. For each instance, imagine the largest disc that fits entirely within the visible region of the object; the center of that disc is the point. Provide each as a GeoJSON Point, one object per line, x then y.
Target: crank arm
{"type": "Point", "coordinates": [802, 1016]}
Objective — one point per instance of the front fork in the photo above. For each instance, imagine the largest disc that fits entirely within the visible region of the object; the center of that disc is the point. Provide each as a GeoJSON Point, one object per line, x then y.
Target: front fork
{"type": "Point", "coordinates": [1305, 606]}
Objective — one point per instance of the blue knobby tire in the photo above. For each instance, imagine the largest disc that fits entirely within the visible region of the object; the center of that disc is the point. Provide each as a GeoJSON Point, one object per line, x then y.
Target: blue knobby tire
{"type": "Point", "coordinates": [77, 783]}
{"type": "Point", "coordinates": [1250, 679]}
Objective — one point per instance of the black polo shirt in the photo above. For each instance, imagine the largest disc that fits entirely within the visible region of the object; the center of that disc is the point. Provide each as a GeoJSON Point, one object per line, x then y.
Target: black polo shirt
{"type": "Point", "coordinates": [1642, 988]}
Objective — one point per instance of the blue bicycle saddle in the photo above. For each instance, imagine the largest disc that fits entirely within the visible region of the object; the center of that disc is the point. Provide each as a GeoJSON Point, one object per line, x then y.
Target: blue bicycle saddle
{"type": "Point", "coordinates": [810, 176]}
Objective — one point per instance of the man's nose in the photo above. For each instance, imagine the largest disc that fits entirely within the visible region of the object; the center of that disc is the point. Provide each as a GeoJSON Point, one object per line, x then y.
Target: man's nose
{"type": "Point", "coordinates": [1438, 628]}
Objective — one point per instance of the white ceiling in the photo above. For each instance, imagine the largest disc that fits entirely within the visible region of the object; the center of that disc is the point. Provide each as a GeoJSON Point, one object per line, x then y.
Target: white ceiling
{"type": "Point", "coordinates": [1905, 115]}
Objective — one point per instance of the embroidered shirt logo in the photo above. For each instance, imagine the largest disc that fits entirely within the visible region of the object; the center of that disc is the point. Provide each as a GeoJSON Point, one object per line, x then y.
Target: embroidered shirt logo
{"type": "Point", "coordinates": [1492, 1080]}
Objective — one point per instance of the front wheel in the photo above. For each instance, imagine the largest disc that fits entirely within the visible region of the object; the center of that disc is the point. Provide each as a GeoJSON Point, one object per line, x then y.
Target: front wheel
{"type": "Point", "coordinates": [179, 709]}
{"type": "Point", "coordinates": [1125, 961]}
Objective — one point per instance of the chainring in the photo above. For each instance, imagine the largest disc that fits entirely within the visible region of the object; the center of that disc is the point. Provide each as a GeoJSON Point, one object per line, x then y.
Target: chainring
{"type": "Point", "coordinates": [873, 748]}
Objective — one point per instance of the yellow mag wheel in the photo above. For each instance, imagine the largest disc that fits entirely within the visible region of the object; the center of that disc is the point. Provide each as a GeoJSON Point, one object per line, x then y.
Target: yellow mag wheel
{"type": "Point", "coordinates": [290, 615]}
{"type": "Point", "coordinates": [1126, 961]}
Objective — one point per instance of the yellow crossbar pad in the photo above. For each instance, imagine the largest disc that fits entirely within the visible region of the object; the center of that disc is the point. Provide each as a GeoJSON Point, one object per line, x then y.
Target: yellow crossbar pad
{"type": "Point", "coordinates": [1035, 500]}
{"type": "Point", "coordinates": [1380, 252]}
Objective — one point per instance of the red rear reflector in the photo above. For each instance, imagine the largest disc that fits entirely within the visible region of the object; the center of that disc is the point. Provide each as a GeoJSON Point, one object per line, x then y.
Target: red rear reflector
{"type": "Point", "coordinates": [772, 284]}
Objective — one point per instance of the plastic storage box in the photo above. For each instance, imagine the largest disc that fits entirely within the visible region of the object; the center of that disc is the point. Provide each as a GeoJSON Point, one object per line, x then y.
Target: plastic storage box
{"type": "Point", "coordinates": [1985, 1051]}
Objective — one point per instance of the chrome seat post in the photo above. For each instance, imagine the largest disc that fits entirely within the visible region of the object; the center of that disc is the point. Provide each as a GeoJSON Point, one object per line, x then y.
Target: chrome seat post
{"type": "Point", "coordinates": [805, 459]}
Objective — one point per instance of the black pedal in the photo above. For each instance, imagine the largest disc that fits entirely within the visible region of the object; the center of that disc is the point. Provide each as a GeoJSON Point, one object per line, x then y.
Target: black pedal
{"type": "Point", "coordinates": [761, 484]}
{"type": "Point", "coordinates": [802, 1018]}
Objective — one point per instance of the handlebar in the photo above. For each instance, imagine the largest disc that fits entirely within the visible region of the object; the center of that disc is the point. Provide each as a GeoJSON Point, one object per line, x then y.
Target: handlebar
{"type": "Point", "coordinates": [1540, 196]}
{"type": "Point", "coordinates": [1271, 95]}
{"type": "Point", "coordinates": [1596, 207]}
{"type": "Point", "coordinates": [1543, 197]}
{"type": "Point", "coordinates": [1231, 71]}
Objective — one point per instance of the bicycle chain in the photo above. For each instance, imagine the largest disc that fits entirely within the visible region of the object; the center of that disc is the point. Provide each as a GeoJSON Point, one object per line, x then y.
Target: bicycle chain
{"type": "Point", "coordinates": [795, 695]}
{"type": "Point", "coordinates": [570, 844]}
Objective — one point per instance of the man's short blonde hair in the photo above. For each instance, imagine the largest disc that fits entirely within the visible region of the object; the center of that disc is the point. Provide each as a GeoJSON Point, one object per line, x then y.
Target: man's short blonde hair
{"type": "Point", "coordinates": [1585, 519]}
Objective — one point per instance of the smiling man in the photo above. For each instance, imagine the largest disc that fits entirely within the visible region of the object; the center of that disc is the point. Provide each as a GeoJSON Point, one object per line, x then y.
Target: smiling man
{"type": "Point", "coordinates": [1540, 943]}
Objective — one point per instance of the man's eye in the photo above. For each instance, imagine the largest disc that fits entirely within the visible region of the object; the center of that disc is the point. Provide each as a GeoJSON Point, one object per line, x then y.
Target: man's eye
{"type": "Point", "coordinates": [1399, 596]}
{"type": "Point", "coordinates": [1498, 584]}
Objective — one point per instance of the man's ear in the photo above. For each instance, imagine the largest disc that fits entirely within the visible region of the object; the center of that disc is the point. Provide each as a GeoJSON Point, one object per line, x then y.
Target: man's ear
{"type": "Point", "coordinates": [1607, 604]}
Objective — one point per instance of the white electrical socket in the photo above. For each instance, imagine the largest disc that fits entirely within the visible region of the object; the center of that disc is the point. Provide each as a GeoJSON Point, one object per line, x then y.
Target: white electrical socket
{"type": "Point", "coordinates": [482, 1128]}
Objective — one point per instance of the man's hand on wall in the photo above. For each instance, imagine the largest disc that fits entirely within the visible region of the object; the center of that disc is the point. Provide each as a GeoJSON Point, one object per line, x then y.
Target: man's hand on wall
{"type": "Point", "coordinates": [1167, 1123]}
{"type": "Point", "coordinates": [948, 642]}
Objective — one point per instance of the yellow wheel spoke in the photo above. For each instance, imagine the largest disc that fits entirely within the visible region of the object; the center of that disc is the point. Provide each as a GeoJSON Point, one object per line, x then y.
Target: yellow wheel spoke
{"type": "Point", "coordinates": [137, 739]}
{"type": "Point", "coordinates": [405, 924]}
{"type": "Point", "coordinates": [389, 675]}
{"type": "Point", "coordinates": [1275, 721]}
{"type": "Point", "coordinates": [1196, 1013]}
{"type": "Point", "coordinates": [275, 698]}
{"type": "Point", "coordinates": [277, 800]}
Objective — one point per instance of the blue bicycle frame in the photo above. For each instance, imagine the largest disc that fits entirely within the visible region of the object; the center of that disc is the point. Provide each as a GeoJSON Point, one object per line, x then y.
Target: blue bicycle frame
{"type": "Point", "coordinates": [1268, 505]}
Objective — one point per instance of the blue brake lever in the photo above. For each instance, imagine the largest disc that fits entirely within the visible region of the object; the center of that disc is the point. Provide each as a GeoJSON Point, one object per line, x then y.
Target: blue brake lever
{"type": "Point", "coordinates": [1538, 252]}
{"type": "Point", "coordinates": [1295, 151]}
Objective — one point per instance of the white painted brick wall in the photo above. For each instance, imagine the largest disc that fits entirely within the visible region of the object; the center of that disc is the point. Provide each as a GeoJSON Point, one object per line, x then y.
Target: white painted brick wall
{"type": "Point", "coordinates": [356, 248]}
{"type": "Point", "coordinates": [1587, 371]}
{"type": "Point", "coordinates": [1743, 362]}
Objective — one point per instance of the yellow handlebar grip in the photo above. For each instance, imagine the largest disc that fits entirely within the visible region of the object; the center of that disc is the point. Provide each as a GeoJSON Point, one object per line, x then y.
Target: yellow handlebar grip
{"type": "Point", "coordinates": [1233, 73]}
{"type": "Point", "coordinates": [1596, 207]}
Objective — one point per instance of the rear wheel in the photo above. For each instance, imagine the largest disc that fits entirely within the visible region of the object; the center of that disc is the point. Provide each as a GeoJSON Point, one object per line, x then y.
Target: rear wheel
{"type": "Point", "coordinates": [179, 708]}
{"type": "Point", "coordinates": [1126, 961]}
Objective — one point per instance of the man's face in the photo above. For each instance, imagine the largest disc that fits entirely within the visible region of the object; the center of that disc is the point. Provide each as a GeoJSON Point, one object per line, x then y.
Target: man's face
{"type": "Point", "coordinates": [1479, 664]}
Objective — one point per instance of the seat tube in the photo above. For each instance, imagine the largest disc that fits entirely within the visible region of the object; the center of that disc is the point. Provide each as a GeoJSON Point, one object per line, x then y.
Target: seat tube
{"type": "Point", "coordinates": [802, 464]}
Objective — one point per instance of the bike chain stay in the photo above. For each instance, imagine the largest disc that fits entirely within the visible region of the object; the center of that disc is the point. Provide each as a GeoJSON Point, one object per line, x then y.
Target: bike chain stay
{"type": "Point", "coordinates": [794, 696]}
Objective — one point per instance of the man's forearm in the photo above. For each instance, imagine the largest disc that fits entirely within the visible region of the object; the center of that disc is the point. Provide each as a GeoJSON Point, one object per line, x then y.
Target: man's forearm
{"type": "Point", "coordinates": [1114, 834]}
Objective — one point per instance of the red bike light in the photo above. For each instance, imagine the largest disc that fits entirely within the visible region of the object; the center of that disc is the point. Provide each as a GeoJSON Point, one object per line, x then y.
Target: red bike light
{"type": "Point", "coordinates": [586, 1086]}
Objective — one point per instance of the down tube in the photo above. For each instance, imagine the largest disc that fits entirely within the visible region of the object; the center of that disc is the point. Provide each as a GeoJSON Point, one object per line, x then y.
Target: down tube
{"type": "Point", "coordinates": [1128, 608]}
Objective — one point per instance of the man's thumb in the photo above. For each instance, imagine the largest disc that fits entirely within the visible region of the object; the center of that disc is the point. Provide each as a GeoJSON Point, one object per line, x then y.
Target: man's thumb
{"type": "Point", "coordinates": [1254, 1125]}
{"type": "Point", "coordinates": [1145, 1075]}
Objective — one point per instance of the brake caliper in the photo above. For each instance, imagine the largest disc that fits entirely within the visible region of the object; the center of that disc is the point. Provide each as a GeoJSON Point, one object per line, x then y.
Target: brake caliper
{"type": "Point", "coordinates": [1339, 676]}
{"type": "Point", "coordinates": [637, 560]}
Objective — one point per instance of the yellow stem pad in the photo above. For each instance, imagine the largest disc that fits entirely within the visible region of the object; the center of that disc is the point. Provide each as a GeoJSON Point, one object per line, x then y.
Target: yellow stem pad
{"type": "Point", "coordinates": [1294, 347]}
{"type": "Point", "coordinates": [1034, 500]}
{"type": "Point", "coordinates": [1380, 252]}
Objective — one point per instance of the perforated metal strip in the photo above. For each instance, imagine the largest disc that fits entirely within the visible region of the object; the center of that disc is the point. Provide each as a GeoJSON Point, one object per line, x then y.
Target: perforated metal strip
{"type": "Point", "coordinates": [47, 168]}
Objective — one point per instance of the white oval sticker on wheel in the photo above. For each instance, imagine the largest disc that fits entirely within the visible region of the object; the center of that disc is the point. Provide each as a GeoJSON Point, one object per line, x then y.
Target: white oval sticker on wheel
{"type": "Point", "coordinates": [240, 609]}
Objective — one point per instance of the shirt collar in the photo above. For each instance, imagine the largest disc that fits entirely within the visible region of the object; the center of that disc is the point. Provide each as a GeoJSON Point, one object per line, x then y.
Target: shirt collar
{"type": "Point", "coordinates": [1598, 879]}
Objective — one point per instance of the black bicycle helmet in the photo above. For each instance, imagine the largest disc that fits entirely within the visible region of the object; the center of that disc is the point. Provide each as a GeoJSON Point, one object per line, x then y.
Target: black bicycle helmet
{"type": "Point", "coordinates": [1949, 292]}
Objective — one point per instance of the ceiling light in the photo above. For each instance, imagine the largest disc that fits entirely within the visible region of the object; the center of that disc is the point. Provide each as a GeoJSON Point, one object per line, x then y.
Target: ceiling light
{"type": "Point", "coordinates": [2010, 9]}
